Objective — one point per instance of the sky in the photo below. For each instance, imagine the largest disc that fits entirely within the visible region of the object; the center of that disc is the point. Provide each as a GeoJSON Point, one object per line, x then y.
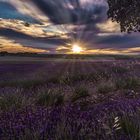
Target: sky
{"type": "Point", "coordinates": [53, 26]}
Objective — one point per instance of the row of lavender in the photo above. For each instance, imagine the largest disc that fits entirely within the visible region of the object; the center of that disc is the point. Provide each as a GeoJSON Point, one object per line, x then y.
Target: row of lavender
{"type": "Point", "coordinates": [116, 120]}
{"type": "Point", "coordinates": [70, 100]}
{"type": "Point", "coordinates": [57, 71]}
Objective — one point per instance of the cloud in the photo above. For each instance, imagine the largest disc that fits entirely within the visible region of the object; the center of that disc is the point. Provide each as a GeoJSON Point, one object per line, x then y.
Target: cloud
{"type": "Point", "coordinates": [7, 11]}
{"type": "Point", "coordinates": [129, 51]}
{"type": "Point", "coordinates": [113, 39]}
{"type": "Point", "coordinates": [108, 26]}
{"type": "Point", "coordinates": [30, 9]}
{"type": "Point", "coordinates": [54, 23]}
{"type": "Point", "coordinates": [10, 46]}
{"type": "Point", "coordinates": [61, 11]}
{"type": "Point", "coordinates": [34, 30]}
{"type": "Point", "coordinates": [34, 42]}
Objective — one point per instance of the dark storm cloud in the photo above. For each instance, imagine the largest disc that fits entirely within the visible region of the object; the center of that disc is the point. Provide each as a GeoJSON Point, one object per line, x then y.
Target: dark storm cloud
{"type": "Point", "coordinates": [7, 11]}
{"type": "Point", "coordinates": [119, 41]}
{"type": "Point", "coordinates": [60, 12]}
{"type": "Point", "coordinates": [116, 41]}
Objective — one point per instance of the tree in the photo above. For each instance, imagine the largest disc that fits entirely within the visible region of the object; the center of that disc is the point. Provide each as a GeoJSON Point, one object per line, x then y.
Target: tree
{"type": "Point", "coordinates": [126, 13]}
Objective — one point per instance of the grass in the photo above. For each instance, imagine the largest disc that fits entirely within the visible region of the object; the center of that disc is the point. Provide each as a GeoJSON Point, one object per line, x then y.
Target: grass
{"type": "Point", "coordinates": [50, 98]}
{"type": "Point", "coordinates": [10, 101]}
{"type": "Point", "coordinates": [65, 79]}
{"type": "Point", "coordinates": [130, 128]}
{"type": "Point", "coordinates": [106, 87]}
{"type": "Point", "coordinates": [119, 69]}
{"type": "Point", "coordinates": [24, 83]}
{"type": "Point", "coordinates": [132, 83]}
{"type": "Point", "coordinates": [28, 135]}
{"type": "Point", "coordinates": [72, 79]}
{"type": "Point", "coordinates": [79, 93]}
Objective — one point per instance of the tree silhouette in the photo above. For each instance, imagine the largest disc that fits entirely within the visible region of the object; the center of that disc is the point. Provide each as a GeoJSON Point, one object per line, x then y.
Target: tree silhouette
{"type": "Point", "coordinates": [126, 13]}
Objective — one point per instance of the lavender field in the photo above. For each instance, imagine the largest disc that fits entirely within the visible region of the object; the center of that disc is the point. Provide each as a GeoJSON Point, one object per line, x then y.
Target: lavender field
{"type": "Point", "coordinates": [70, 99]}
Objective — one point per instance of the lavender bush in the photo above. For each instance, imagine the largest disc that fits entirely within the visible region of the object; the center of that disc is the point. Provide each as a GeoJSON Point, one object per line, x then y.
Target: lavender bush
{"type": "Point", "coordinates": [70, 100]}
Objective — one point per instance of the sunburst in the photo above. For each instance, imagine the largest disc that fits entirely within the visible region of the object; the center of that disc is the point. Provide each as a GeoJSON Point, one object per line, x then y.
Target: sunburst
{"type": "Point", "coordinates": [76, 48]}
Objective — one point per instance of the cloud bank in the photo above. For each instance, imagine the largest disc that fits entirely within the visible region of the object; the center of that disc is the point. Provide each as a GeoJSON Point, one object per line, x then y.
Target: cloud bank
{"type": "Point", "coordinates": [51, 25]}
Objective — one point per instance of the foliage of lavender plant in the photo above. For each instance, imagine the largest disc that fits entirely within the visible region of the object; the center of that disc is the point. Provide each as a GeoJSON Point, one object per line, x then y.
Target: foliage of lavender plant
{"type": "Point", "coordinates": [71, 122]}
{"type": "Point", "coordinates": [70, 100]}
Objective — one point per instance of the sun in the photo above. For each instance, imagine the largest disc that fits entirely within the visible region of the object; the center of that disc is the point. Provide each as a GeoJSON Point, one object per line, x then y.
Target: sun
{"type": "Point", "coordinates": [76, 48]}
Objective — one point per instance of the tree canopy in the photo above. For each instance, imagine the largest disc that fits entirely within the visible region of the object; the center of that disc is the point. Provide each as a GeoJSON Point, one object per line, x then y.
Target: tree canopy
{"type": "Point", "coordinates": [126, 13]}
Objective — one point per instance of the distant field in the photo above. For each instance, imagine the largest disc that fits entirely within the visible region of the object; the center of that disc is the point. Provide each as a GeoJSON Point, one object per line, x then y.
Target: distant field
{"type": "Point", "coordinates": [44, 57]}
{"type": "Point", "coordinates": [33, 59]}
{"type": "Point", "coordinates": [69, 99]}
{"type": "Point", "coordinates": [16, 58]}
